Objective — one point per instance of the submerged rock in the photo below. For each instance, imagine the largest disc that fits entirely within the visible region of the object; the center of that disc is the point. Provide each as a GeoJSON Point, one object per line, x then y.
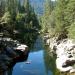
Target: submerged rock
{"type": "Point", "coordinates": [28, 62]}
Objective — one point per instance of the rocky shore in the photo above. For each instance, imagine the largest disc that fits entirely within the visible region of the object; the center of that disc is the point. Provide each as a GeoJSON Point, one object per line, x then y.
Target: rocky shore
{"type": "Point", "coordinates": [11, 51]}
{"type": "Point", "coordinates": [65, 52]}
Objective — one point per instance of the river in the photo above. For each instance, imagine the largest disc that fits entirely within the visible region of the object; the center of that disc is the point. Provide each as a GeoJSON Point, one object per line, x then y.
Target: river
{"type": "Point", "coordinates": [35, 65]}
{"type": "Point", "coordinates": [40, 62]}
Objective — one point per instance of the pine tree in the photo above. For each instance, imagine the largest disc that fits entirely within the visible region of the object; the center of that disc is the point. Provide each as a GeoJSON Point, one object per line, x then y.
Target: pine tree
{"type": "Point", "coordinates": [70, 12]}
{"type": "Point", "coordinates": [46, 16]}
{"type": "Point", "coordinates": [2, 7]}
{"type": "Point", "coordinates": [60, 17]}
{"type": "Point", "coordinates": [70, 17]}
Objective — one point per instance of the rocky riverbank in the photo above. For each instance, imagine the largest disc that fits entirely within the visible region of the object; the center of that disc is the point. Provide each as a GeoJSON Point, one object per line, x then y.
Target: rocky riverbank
{"type": "Point", "coordinates": [11, 51]}
{"type": "Point", "coordinates": [65, 52]}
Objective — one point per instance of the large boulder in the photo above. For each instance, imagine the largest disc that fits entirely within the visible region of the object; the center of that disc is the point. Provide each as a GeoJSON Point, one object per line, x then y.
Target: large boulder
{"type": "Point", "coordinates": [11, 52]}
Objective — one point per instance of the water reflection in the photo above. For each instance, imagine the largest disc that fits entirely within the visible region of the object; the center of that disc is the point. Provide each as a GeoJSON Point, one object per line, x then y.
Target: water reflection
{"type": "Point", "coordinates": [49, 59]}
{"type": "Point", "coordinates": [38, 45]}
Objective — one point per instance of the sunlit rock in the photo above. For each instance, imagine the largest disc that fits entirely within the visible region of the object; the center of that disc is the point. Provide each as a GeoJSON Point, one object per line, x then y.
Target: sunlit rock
{"type": "Point", "coordinates": [53, 43]}
{"type": "Point", "coordinates": [65, 51]}
{"type": "Point", "coordinates": [59, 63]}
{"type": "Point", "coordinates": [22, 47]}
{"type": "Point", "coordinates": [11, 51]}
{"type": "Point", "coordinates": [72, 70]}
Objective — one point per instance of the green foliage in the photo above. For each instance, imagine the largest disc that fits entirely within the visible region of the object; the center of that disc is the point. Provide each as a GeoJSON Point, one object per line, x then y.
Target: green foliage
{"type": "Point", "coordinates": [65, 17]}
{"type": "Point", "coordinates": [46, 15]}
{"type": "Point", "coordinates": [60, 16]}
{"type": "Point", "coordinates": [20, 17]}
{"type": "Point", "coordinates": [70, 17]}
{"type": "Point", "coordinates": [71, 31]}
{"type": "Point", "coordinates": [59, 21]}
{"type": "Point", "coordinates": [6, 18]}
{"type": "Point", "coordinates": [2, 7]}
{"type": "Point", "coordinates": [48, 18]}
{"type": "Point", "coordinates": [70, 12]}
{"type": "Point", "coordinates": [56, 21]}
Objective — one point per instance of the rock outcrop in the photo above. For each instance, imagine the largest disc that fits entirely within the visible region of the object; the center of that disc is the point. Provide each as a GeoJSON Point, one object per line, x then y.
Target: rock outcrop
{"type": "Point", "coordinates": [65, 52]}
{"type": "Point", "coordinates": [11, 51]}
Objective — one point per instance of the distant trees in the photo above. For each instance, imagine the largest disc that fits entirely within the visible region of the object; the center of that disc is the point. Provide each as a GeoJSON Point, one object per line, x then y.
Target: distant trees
{"type": "Point", "coordinates": [70, 17]}
{"type": "Point", "coordinates": [58, 18]}
{"type": "Point", "coordinates": [65, 17]}
{"type": "Point", "coordinates": [18, 15]}
{"type": "Point", "coordinates": [46, 15]}
{"type": "Point", "coordinates": [47, 19]}
{"type": "Point", "coordinates": [60, 21]}
{"type": "Point", "coordinates": [2, 7]}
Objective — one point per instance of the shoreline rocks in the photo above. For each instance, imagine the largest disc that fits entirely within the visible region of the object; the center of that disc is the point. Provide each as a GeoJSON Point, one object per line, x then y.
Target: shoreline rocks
{"type": "Point", "coordinates": [65, 52]}
{"type": "Point", "coordinates": [10, 53]}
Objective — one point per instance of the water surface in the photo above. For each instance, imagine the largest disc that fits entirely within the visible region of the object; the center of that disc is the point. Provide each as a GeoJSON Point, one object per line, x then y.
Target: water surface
{"type": "Point", "coordinates": [35, 67]}
{"type": "Point", "coordinates": [40, 62]}
{"type": "Point", "coordinates": [36, 59]}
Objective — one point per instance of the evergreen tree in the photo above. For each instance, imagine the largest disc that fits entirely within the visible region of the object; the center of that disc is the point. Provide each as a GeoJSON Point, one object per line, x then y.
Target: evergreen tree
{"type": "Point", "coordinates": [60, 17]}
{"type": "Point", "coordinates": [70, 18]}
{"type": "Point", "coordinates": [48, 17]}
{"type": "Point", "coordinates": [18, 16]}
{"type": "Point", "coordinates": [2, 7]}
{"type": "Point", "coordinates": [70, 12]}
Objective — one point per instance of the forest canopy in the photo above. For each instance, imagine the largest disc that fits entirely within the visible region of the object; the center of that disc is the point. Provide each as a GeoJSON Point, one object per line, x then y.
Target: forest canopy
{"type": "Point", "coordinates": [59, 18]}
{"type": "Point", "coordinates": [17, 17]}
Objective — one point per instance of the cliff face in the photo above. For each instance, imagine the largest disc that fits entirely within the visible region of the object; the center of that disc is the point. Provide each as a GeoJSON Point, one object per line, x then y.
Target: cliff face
{"type": "Point", "coordinates": [65, 52]}
{"type": "Point", "coordinates": [11, 52]}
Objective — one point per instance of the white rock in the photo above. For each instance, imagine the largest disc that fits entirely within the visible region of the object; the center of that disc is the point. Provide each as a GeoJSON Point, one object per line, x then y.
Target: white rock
{"type": "Point", "coordinates": [62, 53]}
{"type": "Point", "coordinates": [64, 50]}
{"type": "Point", "coordinates": [72, 70]}
{"type": "Point", "coordinates": [22, 47]}
{"type": "Point", "coordinates": [48, 42]}
{"type": "Point", "coordinates": [59, 64]}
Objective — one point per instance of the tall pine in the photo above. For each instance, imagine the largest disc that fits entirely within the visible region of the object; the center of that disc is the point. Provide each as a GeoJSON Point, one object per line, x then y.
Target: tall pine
{"type": "Point", "coordinates": [60, 18]}
{"type": "Point", "coordinates": [46, 15]}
